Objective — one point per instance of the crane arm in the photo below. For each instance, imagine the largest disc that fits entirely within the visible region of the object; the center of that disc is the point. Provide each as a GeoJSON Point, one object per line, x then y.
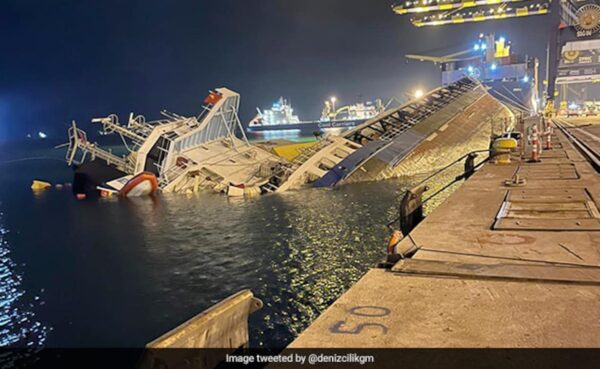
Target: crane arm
{"type": "Point", "coordinates": [439, 59]}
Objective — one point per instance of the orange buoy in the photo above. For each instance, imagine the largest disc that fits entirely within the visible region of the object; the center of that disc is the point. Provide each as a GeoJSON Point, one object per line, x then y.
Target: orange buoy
{"type": "Point", "coordinates": [395, 238]}
{"type": "Point", "coordinates": [143, 184]}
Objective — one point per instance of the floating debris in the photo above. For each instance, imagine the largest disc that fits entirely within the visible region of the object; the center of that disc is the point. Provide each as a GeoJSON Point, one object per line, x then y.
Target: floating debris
{"type": "Point", "coordinates": [40, 185]}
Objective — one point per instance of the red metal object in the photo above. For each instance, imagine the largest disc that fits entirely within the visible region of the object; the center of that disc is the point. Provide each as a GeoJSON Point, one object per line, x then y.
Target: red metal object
{"type": "Point", "coordinates": [181, 162]}
{"type": "Point", "coordinates": [212, 98]}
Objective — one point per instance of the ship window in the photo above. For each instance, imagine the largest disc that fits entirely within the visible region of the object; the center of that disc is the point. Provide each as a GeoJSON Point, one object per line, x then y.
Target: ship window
{"type": "Point", "coordinates": [324, 167]}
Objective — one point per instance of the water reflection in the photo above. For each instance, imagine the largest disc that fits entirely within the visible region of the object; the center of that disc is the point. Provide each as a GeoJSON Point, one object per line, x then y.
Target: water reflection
{"type": "Point", "coordinates": [299, 135]}
{"type": "Point", "coordinates": [18, 324]}
{"type": "Point", "coordinates": [141, 267]}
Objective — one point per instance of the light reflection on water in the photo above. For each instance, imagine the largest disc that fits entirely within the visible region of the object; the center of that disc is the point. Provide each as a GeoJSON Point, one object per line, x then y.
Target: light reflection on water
{"type": "Point", "coordinates": [19, 326]}
{"type": "Point", "coordinates": [121, 273]}
{"type": "Point", "coordinates": [297, 135]}
{"type": "Point", "coordinates": [297, 251]}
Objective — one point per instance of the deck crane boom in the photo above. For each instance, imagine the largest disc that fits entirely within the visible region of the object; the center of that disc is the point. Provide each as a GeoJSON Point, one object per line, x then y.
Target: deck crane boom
{"type": "Point", "coordinates": [438, 59]}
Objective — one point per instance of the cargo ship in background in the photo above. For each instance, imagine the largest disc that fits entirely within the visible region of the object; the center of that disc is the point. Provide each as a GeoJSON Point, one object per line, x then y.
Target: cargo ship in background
{"type": "Point", "coordinates": [511, 78]}
{"type": "Point", "coordinates": [281, 116]}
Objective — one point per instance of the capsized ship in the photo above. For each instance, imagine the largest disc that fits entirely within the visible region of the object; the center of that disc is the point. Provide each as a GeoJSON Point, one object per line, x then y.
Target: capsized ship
{"type": "Point", "coordinates": [281, 116]}
{"type": "Point", "coordinates": [189, 154]}
{"type": "Point", "coordinates": [418, 137]}
{"type": "Point", "coordinates": [185, 154]}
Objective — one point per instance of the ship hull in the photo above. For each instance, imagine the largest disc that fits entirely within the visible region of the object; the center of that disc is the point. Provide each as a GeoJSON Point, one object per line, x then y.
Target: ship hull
{"type": "Point", "coordinates": [90, 175]}
{"type": "Point", "coordinates": [461, 127]}
{"type": "Point", "coordinates": [516, 95]}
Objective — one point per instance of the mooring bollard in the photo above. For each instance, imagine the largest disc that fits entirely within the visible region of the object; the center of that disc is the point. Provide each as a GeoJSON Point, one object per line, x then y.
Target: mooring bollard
{"type": "Point", "coordinates": [501, 149]}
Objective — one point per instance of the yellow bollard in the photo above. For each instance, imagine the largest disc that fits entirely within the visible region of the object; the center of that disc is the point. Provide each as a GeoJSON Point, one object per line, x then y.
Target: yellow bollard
{"type": "Point", "coordinates": [501, 149]}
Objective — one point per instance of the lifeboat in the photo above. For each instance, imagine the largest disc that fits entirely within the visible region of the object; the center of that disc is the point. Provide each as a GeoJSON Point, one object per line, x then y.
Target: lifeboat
{"type": "Point", "coordinates": [143, 184]}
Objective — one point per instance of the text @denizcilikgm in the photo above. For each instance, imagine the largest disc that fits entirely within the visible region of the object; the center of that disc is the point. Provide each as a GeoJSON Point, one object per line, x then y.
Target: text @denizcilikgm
{"type": "Point", "coordinates": [296, 358]}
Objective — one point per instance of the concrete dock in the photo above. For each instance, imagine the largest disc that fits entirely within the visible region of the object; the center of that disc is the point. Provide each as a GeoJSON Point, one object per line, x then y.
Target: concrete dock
{"type": "Point", "coordinates": [495, 266]}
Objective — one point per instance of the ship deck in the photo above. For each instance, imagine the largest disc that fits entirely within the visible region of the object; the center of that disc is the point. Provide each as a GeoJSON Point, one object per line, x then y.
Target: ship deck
{"type": "Point", "coordinates": [496, 266]}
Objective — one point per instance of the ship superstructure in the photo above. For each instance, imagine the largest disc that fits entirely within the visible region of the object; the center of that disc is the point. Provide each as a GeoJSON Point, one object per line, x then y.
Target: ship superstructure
{"type": "Point", "coordinates": [361, 110]}
{"type": "Point", "coordinates": [185, 153]}
{"type": "Point", "coordinates": [281, 113]}
{"type": "Point", "coordinates": [281, 116]}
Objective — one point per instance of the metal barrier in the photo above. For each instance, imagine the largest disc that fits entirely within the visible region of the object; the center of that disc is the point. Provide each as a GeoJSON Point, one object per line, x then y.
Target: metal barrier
{"type": "Point", "coordinates": [222, 326]}
{"type": "Point", "coordinates": [410, 212]}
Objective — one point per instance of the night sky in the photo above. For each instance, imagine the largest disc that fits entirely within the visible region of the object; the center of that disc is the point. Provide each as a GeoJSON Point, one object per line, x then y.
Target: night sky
{"type": "Point", "coordinates": [64, 60]}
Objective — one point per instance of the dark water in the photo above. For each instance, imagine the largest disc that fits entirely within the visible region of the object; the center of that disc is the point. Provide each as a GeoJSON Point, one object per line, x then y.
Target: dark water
{"type": "Point", "coordinates": [117, 273]}
{"type": "Point", "coordinates": [120, 273]}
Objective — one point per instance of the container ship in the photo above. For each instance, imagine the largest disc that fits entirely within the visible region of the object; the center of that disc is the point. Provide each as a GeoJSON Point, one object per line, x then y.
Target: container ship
{"type": "Point", "coordinates": [281, 116]}
{"type": "Point", "coordinates": [511, 78]}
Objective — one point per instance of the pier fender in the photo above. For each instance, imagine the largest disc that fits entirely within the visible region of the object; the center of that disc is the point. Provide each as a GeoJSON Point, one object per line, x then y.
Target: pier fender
{"type": "Point", "coordinates": [411, 209]}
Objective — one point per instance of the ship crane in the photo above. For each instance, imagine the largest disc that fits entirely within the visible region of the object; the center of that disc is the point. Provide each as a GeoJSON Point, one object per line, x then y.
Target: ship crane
{"type": "Point", "coordinates": [573, 26]}
{"type": "Point", "coordinates": [439, 59]}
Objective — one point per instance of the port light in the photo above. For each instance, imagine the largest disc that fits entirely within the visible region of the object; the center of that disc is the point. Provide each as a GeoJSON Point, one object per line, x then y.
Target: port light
{"type": "Point", "coordinates": [445, 5]}
{"type": "Point", "coordinates": [463, 15]}
{"type": "Point", "coordinates": [418, 93]}
{"type": "Point", "coordinates": [526, 79]}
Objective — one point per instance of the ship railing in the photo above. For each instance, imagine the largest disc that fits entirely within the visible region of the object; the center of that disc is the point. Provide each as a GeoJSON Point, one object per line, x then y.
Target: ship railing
{"type": "Point", "coordinates": [78, 142]}
{"type": "Point", "coordinates": [419, 110]}
{"type": "Point", "coordinates": [285, 171]}
{"type": "Point", "coordinates": [181, 166]}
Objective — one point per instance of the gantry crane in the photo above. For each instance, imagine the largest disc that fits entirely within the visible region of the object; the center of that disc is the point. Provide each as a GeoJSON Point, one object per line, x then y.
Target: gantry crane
{"type": "Point", "coordinates": [569, 21]}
